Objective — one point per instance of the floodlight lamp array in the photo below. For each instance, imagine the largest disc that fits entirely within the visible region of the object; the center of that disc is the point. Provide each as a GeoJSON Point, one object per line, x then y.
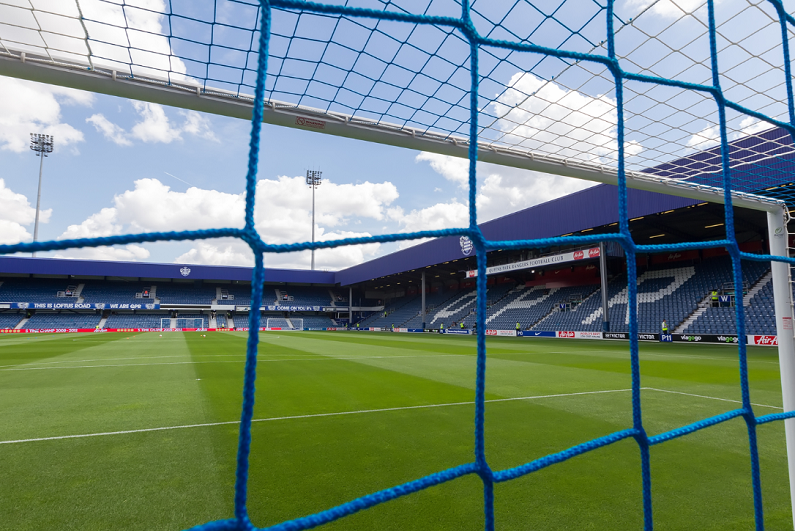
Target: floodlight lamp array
{"type": "Point", "coordinates": [41, 144]}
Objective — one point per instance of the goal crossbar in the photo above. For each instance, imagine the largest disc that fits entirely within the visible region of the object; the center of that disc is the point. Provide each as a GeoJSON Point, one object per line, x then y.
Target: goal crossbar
{"type": "Point", "coordinates": [150, 89]}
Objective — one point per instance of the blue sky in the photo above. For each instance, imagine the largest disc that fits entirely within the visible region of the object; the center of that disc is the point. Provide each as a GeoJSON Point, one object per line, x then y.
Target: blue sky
{"type": "Point", "coordinates": [122, 166]}
{"type": "Point", "coordinates": [203, 166]}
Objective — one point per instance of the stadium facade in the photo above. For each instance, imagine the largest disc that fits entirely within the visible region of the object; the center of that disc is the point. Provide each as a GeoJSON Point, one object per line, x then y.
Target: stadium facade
{"type": "Point", "coordinates": [564, 290]}
{"type": "Point", "coordinates": [549, 291]}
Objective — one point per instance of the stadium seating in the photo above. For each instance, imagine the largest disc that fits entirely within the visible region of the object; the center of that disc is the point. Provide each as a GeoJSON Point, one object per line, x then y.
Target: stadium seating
{"type": "Point", "coordinates": [240, 320]}
{"type": "Point", "coordinates": [315, 322]}
{"type": "Point", "coordinates": [301, 295]}
{"type": "Point", "coordinates": [188, 320]}
{"type": "Point", "coordinates": [397, 311]}
{"type": "Point", "coordinates": [178, 293]}
{"type": "Point", "coordinates": [532, 307]}
{"type": "Point", "coordinates": [670, 293]}
{"type": "Point", "coordinates": [136, 320]}
{"type": "Point", "coordinates": [759, 314]}
{"type": "Point", "coordinates": [677, 293]}
{"type": "Point", "coordinates": [64, 319]}
{"type": "Point", "coordinates": [10, 319]}
{"type": "Point", "coordinates": [275, 322]}
{"type": "Point", "coordinates": [115, 292]}
{"type": "Point", "coordinates": [34, 290]}
{"type": "Point", "coordinates": [242, 295]}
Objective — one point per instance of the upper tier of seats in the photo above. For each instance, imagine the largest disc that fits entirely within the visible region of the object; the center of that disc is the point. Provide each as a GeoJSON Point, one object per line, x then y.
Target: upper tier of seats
{"type": "Point", "coordinates": [115, 292]}
{"type": "Point", "coordinates": [301, 296]}
{"type": "Point", "coordinates": [173, 293]}
{"type": "Point", "coordinates": [35, 290]}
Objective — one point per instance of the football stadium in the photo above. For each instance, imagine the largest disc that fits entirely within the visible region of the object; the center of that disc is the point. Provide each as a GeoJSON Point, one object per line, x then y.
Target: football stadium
{"type": "Point", "coordinates": [619, 357]}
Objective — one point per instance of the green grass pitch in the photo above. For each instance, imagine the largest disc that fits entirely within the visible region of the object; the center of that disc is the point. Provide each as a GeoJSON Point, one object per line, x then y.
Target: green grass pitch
{"type": "Point", "coordinates": [407, 404]}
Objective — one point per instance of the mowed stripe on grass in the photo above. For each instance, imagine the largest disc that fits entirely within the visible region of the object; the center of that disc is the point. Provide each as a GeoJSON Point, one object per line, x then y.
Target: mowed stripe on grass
{"type": "Point", "coordinates": [173, 479]}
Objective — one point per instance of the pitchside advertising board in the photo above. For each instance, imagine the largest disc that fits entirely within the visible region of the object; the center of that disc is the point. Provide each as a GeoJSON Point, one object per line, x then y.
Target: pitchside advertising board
{"type": "Point", "coordinates": [573, 256]}
{"type": "Point", "coordinates": [81, 306]}
{"type": "Point", "coordinates": [768, 341]}
{"type": "Point", "coordinates": [501, 333]}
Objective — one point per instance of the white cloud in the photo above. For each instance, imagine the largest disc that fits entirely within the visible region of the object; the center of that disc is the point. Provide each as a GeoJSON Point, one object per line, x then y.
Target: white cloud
{"type": "Point", "coordinates": [667, 8]}
{"type": "Point", "coordinates": [282, 215]}
{"type": "Point", "coordinates": [226, 251]}
{"type": "Point", "coordinates": [545, 116]}
{"type": "Point", "coordinates": [111, 131]}
{"type": "Point", "coordinates": [16, 212]}
{"type": "Point", "coordinates": [28, 107]}
{"type": "Point", "coordinates": [145, 33]}
{"type": "Point", "coordinates": [750, 126]}
{"type": "Point", "coordinates": [198, 125]}
{"type": "Point", "coordinates": [705, 139]}
{"type": "Point", "coordinates": [710, 137]}
{"type": "Point", "coordinates": [128, 253]}
{"type": "Point", "coordinates": [501, 190]}
{"type": "Point", "coordinates": [11, 233]}
{"type": "Point", "coordinates": [154, 126]}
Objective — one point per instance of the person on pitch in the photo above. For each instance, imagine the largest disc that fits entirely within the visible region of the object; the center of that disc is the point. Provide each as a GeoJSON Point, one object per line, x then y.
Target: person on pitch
{"type": "Point", "coordinates": [664, 327]}
{"type": "Point", "coordinates": [518, 327]}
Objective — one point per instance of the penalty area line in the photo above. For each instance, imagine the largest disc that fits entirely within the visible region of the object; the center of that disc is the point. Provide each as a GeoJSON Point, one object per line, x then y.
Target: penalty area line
{"type": "Point", "coordinates": [708, 397]}
{"type": "Point", "coordinates": [295, 417]}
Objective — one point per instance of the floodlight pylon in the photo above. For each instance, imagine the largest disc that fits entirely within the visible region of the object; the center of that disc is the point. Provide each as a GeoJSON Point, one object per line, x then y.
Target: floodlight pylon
{"type": "Point", "coordinates": [41, 145]}
{"type": "Point", "coordinates": [313, 179]}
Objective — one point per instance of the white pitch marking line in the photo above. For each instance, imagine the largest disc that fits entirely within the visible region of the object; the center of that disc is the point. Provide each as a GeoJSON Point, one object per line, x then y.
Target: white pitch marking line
{"type": "Point", "coordinates": [676, 356]}
{"type": "Point", "coordinates": [315, 415]}
{"type": "Point", "coordinates": [708, 397]}
{"type": "Point", "coordinates": [323, 358]}
{"type": "Point", "coordinates": [132, 358]}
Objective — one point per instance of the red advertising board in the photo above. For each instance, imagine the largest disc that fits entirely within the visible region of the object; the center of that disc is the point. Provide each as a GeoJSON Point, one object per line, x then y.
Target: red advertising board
{"type": "Point", "coordinates": [764, 340]}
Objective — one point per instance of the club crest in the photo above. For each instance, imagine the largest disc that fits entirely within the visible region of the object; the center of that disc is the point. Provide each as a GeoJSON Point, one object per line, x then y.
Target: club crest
{"type": "Point", "coordinates": [466, 245]}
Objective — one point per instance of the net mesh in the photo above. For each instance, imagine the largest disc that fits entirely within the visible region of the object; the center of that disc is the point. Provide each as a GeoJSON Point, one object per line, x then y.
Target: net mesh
{"type": "Point", "coordinates": [585, 80]}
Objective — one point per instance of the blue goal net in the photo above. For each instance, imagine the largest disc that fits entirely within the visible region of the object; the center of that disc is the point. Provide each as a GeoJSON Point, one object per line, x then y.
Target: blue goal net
{"type": "Point", "coordinates": [497, 81]}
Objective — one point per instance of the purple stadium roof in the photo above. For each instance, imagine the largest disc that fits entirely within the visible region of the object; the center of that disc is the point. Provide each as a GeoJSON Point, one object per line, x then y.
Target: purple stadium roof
{"type": "Point", "coordinates": [588, 208]}
{"type": "Point", "coordinates": [56, 266]}
{"type": "Point", "coordinates": [768, 156]}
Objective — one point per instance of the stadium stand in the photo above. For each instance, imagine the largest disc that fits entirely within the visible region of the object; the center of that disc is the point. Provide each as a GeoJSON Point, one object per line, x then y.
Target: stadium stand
{"type": "Point", "coordinates": [666, 293]}
{"type": "Point", "coordinates": [116, 292]}
{"type": "Point", "coordinates": [300, 296]}
{"type": "Point", "coordinates": [10, 319]}
{"type": "Point", "coordinates": [63, 319]}
{"type": "Point", "coordinates": [311, 321]}
{"type": "Point", "coordinates": [188, 320]}
{"type": "Point", "coordinates": [35, 290]}
{"type": "Point", "coordinates": [135, 320]}
{"type": "Point", "coordinates": [240, 320]}
{"type": "Point", "coordinates": [275, 322]}
{"type": "Point", "coordinates": [239, 295]}
{"type": "Point", "coordinates": [532, 307]}
{"type": "Point", "coordinates": [397, 310]}
{"type": "Point", "coordinates": [171, 293]}
{"type": "Point", "coordinates": [220, 321]}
